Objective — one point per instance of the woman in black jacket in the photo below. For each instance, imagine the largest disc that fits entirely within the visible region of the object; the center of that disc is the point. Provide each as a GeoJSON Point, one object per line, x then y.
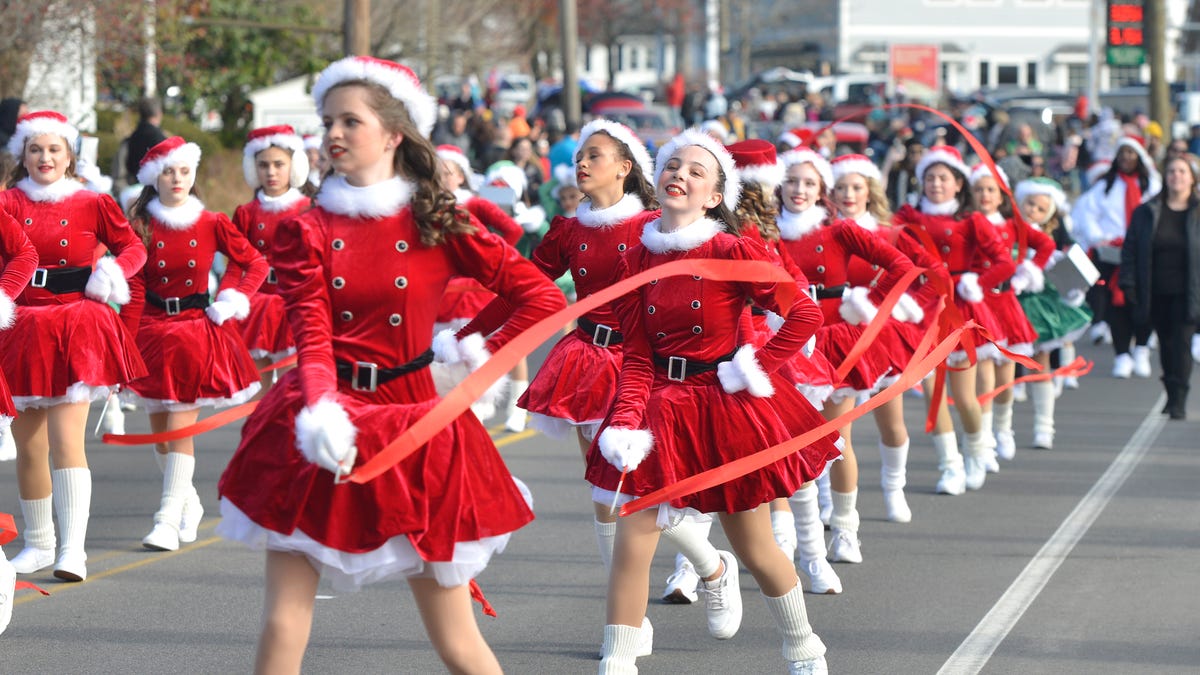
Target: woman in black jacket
{"type": "Point", "coordinates": [1162, 252]}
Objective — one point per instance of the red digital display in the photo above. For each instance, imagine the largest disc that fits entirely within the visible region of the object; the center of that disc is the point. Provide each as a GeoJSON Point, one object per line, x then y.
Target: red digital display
{"type": "Point", "coordinates": [1125, 23]}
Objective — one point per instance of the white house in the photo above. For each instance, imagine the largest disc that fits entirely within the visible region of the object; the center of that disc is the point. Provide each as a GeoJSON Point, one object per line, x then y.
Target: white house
{"type": "Point", "coordinates": [289, 102]}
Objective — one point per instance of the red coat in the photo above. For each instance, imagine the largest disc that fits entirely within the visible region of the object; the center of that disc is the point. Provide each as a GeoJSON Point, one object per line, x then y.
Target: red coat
{"type": "Point", "coordinates": [256, 221]}
{"type": "Point", "coordinates": [19, 256]}
{"type": "Point", "coordinates": [465, 297]}
{"type": "Point", "coordinates": [964, 245]}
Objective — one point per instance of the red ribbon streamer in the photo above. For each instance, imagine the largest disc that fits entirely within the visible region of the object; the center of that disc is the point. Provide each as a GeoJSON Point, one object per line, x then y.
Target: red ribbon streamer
{"type": "Point", "coordinates": [1077, 368]}
{"type": "Point", "coordinates": [477, 596]}
{"type": "Point", "coordinates": [8, 532]}
{"type": "Point", "coordinates": [289, 360]}
{"type": "Point", "coordinates": [882, 314]}
{"type": "Point", "coordinates": [207, 424]}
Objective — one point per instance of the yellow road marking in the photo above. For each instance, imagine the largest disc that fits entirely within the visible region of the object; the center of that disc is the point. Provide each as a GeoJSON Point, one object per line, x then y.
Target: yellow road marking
{"type": "Point", "coordinates": [515, 437]}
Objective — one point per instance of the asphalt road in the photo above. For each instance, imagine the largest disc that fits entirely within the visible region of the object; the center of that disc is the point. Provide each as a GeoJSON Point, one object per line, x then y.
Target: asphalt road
{"type": "Point", "coordinates": [1083, 559]}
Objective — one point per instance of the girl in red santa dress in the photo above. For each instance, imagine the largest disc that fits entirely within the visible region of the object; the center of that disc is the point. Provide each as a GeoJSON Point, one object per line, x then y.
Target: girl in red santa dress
{"type": "Point", "coordinates": [194, 352]}
{"type": "Point", "coordinates": [859, 196]}
{"type": "Point", "coordinates": [67, 346]}
{"type": "Point", "coordinates": [976, 259]}
{"type": "Point", "coordinates": [20, 261]}
{"type": "Point", "coordinates": [275, 165]}
{"type": "Point", "coordinates": [1017, 331]}
{"type": "Point", "coordinates": [823, 247]}
{"type": "Point", "coordinates": [363, 332]}
{"type": "Point", "coordinates": [692, 389]}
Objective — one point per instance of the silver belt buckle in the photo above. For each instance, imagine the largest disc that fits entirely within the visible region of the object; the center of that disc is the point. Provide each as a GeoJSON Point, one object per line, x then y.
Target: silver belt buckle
{"type": "Point", "coordinates": [372, 379]}
{"type": "Point", "coordinates": [271, 278]}
{"type": "Point", "coordinates": [40, 275]}
{"type": "Point", "coordinates": [601, 329]}
{"type": "Point", "coordinates": [676, 364]}
{"type": "Point", "coordinates": [172, 306]}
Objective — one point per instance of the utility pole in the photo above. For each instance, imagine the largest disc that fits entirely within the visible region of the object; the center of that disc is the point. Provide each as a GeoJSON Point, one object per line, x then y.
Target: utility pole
{"type": "Point", "coordinates": [1095, 28]}
{"type": "Point", "coordinates": [569, 27]}
{"type": "Point", "coordinates": [357, 28]}
{"type": "Point", "coordinates": [1160, 94]}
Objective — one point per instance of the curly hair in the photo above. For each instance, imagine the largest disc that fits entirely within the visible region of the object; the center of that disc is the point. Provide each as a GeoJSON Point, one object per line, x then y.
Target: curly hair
{"type": "Point", "coordinates": [877, 202]}
{"type": "Point", "coordinates": [755, 207]}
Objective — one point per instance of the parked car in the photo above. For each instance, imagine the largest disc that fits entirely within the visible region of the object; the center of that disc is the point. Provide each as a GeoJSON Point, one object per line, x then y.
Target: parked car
{"type": "Point", "coordinates": [652, 124]}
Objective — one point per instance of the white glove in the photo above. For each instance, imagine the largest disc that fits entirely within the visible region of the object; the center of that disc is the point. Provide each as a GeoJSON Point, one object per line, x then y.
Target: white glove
{"type": "Point", "coordinates": [908, 310]}
{"type": "Point", "coordinates": [107, 282]}
{"type": "Point", "coordinates": [968, 287]}
{"type": "Point", "coordinates": [230, 304]}
{"type": "Point", "coordinates": [220, 311]}
{"type": "Point", "coordinates": [529, 217]}
{"type": "Point", "coordinates": [856, 308]}
{"type": "Point", "coordinates": [8, 311]}
{"type": "Point", "coordinates": [744, 372]}
{"type": "Point", "coordinates": [325, 435]}
{"type": "Point", "coordinates": [454, 360]}
{"type": "Point", "coordinates": [1075, 297]}
{"type": "Point", "coordinates": [625, 448]}
{"type": "Point", "coordinates": [774, 321]}
{"type": "Point", "coordinates": [1028, 277]}
{"type": "Point", "coordinates": [1056, 256]}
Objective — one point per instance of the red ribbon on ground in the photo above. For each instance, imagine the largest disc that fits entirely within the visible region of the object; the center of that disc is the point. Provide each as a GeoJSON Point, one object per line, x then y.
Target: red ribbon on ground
{"type": "Point", "coordinates": [8, 532]}
{"type": "Point", "coordinates": [1077, 368]}
{"type": "Point", "coordinates": [882, 315]}
{"type": "Point", "coordinates": [458, 400]}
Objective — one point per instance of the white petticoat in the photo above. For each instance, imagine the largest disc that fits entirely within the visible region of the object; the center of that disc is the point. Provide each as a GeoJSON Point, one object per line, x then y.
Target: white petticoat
{"type": "Point", "coordinates": [560, 429]}
{"type": "Point", "coordinates": [154, 405]}
{"type": "Point", "coordinates": [76, 393]}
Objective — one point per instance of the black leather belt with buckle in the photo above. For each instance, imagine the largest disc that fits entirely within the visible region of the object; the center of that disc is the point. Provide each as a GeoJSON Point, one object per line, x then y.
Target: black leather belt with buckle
{"type": "Point", "coordinates": [602, 336]}
{"type": "Point", "coordinates": [831, 292]}
{"type": "Point", "coordinates": [271, 278]}
{"type": "Point", "coordinates": [61, 280]}
{"type": "Point", "coordinates": [367, 376]}
{"type": "Point", "coordinates": [175, 305]}
{"type": "Point", "coordinates": [679, 368]}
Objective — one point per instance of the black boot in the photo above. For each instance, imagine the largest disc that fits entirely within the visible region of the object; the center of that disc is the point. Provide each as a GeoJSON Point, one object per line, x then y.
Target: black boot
{"type": "Point", "coordinates": [1177, 399]}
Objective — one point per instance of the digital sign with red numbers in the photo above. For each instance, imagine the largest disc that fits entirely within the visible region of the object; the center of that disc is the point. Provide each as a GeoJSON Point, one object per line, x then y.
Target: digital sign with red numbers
{"type": "Point", "coordinates": [1125, 40]}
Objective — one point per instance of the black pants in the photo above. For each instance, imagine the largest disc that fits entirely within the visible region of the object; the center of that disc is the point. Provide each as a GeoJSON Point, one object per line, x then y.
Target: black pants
{"type": "Point", "coordinates": [1120, 319]}
{"type": "Point", "coordinates": [1168, 313]}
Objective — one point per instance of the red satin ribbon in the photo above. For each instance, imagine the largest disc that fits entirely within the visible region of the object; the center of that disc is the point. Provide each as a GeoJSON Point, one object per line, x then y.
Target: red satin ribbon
{"type": "Point", "coordinates": [882, 314]}
{"type": "Point", "coordinates": [458, 400]}
{"type": "Point", "coordinates": [207, 424]}
{"type": "Point", "coordinates": [1077, 368]}
{"type": "Point", "coordinates": [289, 360]}
{"type": "Point", "coordinates": [477, 596]}
{"type": "Point", "coordinates": [8, 532]}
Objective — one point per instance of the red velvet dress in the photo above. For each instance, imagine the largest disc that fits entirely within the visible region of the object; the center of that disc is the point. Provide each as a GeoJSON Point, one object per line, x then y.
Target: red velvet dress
{"type": "Point", "coordinates": [20, 259]}
{"type": "Point", "coordinates": [448, 507]}
{"type": "Point", "coordinates": [265, 330]}
{"type": "Point", "coordinates": [68, 348]}
{"type": "Point", "coordinates": [1002, 300]}
{"type": "Point", "coordinates": [465, 297]}
{"type": "Point", "coordinates": [695, 423]}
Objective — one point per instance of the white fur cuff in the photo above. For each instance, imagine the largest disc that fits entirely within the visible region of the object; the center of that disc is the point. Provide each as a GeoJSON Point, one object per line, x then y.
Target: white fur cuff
{"type": "Point", "coordinates": [325, 434]}
{"type": "Point", "coordinates": [968, 287]}
{"type": "Point", "coordinates": [908, 310]}
{"type": "Point", "coordinates": [1028, 277]}
{"type": "Point", "coordinates": [625, 448]}
{"type": "Point", "coordinates": [8, 311]}
{"type": "Point", "coordinates": [107, 282]}
{"type": "Point", "coordinates": [455, 359]}
{"type": "Point", "coordinates": [241, 304]}
{"type": "Point", "coordinates": [856, 308]}
{"type": "Point", "coordinates": [744, 372]}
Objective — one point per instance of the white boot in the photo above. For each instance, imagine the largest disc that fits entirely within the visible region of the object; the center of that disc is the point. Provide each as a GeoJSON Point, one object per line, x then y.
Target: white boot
{"type": "Point", "coordinates": [893, 462]}
{"type": "Point", "coordinates": [73, 504]}
{"type": "Point", "coordinates": [618, 654]}
{"type": "Point", "coordinates": [8, 446]}
{"type": "Point", "coordinates": [515, 418]}
{"type": "Point", "coordinates": [975, 460]}
{"type": "Point", "coordinates": [810, 542]}
{"type": "Point", "coordinates": [802, 649]}
{"type": "Point", "coordinates": [38, 553]}
{"type": "Point", "coordinates": [177, 487]}
{"type": "Point", "coordinates": [1043, 414]}
{"type": "Point", "coordinates": [606, 534]}
{"type": "Point", "coordinates": [844, 545]}
{"type": "Point", "coordinates": [823, 499]}
{"type": "Point", "coordinates": [189, 521]}
{"type": "Point", "coordinates": [8, 588]}
{"type": "Point", "coordinates": [697, 558]}
{"type": "Point", "coordinates": [950, 463]}
{"type": "Point", "coordinates": [1141, 361]}
{"type": "Point", "coordinates": [783, 526]}
{"type": "Point", "coordinates": [986, 418]}
{"type": "Point", "coordinates": [1006, 447]}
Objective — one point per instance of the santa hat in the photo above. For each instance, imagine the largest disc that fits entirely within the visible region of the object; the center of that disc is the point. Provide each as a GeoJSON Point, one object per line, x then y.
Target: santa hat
{"type": "Point", "coordinates": [797, 137]}
{"type": "Point", "coordinates": [453, 153]}
{"type": "Point", "coordinates": [38, 123]}
{"type": "Point", "coordinates": [943, 154]}
{"type": "Point", "coordinates": [859, 164]}
{"type": "Point", "coordinates": [172, 152]}
{"type": "Point", "coordinates": [623, 135]}
{"type": "Point", "coordinates": [806, 155]}
{"type": "Point", "coordinates": [312, 142]}
{"type": "Point", "coordinates": [981, 170]}
{"type": "Point", "coordinates": [505, 172]}
{"type": "Point", "coordinates": [400, 81]}
{"type": "Point", "coordinates": [694, 136]}
{"type": "Point", "coordinates": [280, 136]}
{"type": "Point", "coordinates": [756, 163]}
{"type": "Point", "coordinates": [715, 129]}
{"type": "Point", "coordinates": [1043, 186]}
{"type": "Point", "coordinates": [1137, 143]}
{"type": "Point", "coordinates": [1097, 170]}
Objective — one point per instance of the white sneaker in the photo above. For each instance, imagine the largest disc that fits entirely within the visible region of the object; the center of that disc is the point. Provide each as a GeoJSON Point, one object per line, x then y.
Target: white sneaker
{"type": "Point", "coordinates": [822, 579]}
{"type": "Point", "coordinates": [31, 560]}
{"type": "Point", "coordinates": [845, 546]}
{"type": "Point", "coordinates": [1122, 366]}
{"type": "Point", "coordinates": [645, 638]}
{"type": "Point", "coordinates": [1070, 382]}
{"type": "Point", "coordinates": [1196, 347]}
{"type": "Point", "coordinates": [1043, 441]}
{"type": "Point", "coordinates": [989, 462]}
{"type": "Point", "coordinates": [1100, 332]}
{"type": "Point", "coordinates": [975, 472]}
{"type": "Point", "coordinates": [1141, 361]}
{"type": "Point", "coordinates": [71, 565]}
{"type": "Point", "coordinates": [164, 537]}
{"type": "Point", "coordinates": [815, 666]}
{"type": "Point", "coordinates": [1019, 393]}
{"type": "Point", "coordinates": [895, 506]}
{"type": "Point", "coordinates": [681, 585]}
{"type": "Point", "coordinates": [723, 600]}
{"type": "Point", "coordinates": [189, 522]}
{"type": "Point", "coordinates": [8, 588]}
{"type": "Point", "coordinates": [1152, 341]}
{"type": "Point", "coordinates": [952, 482]}
{"type": "Point", "coordinates": [1006, 445]}
{"type": "Point", "coordinates": [516, 421]}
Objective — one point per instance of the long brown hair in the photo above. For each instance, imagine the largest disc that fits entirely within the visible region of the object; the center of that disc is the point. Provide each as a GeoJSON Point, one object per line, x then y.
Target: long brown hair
{"type": "Point", "coordinates": [756, 207]}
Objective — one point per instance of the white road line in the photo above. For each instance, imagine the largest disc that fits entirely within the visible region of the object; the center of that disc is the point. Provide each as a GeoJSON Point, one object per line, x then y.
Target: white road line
{"type": "Point", "coordinates": [973, 654]}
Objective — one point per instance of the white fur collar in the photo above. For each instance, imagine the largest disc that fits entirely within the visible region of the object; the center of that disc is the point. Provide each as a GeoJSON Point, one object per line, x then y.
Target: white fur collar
{"type": "Point", "coordinates": [867, 221]}
{"type": "Point", "coordinates": [944, 209]}
{"type": "Point", "coordinates": [629, 206]}
{"type": "Point", "coordinates": [176, 217]}
{"type": "Point", "coordinates": [793, 226]}
{"type": "Point", "coordinates": [462, 196]}
{"type": "Point", "coordinates": [684, 239]}
{"type": "Point", "coordinates": [283, 202]}
{"type": "Point", "coordinates": [995, 218]}
{"type": "Point", "coordinates": [55, 192]}
{"type": "Point", "coordinates": [380, 200]}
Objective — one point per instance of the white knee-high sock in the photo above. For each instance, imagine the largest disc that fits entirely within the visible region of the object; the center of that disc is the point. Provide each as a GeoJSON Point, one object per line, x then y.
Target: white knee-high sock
{"type": "Point", "coordinates": [73, 503]}
{"type": "Point", "coordinates": [690, 537]}
{"type": "Point", "coordinates": [606, 534]}
{"type": "Point", "coordinates": [810, 533]}
{"type": "Point", "coordinates": [800, 643]}
{"type": "Point", "coordinates": [845, 510]}
{"type": "Point", "coordinates": [38, 515]}
{"type": "Point", "coordinates": [1042, 394]}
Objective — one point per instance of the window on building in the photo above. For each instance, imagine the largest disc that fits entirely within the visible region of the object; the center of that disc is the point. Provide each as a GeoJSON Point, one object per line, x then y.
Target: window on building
{"type": "Point", "coordinates": [1008, 75]}
{"type": "Point", "coordinates": [587, 58]}
{"type": "Point", "coordinates": [879, 67]}
{"type": "Point", "coordinates": [985, 72]}
{"type": "Point", "coordinates": [1031, 72]}
{"type": "Point", "coordinates": [1077, 77]}
{"type": "Point", "coordinates": [635, 58]}
{"type": "Point", "coordinates": [1123, 76]}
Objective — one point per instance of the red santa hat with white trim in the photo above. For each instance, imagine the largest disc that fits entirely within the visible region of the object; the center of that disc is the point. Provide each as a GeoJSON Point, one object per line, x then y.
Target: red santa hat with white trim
{"type": "Point", "coordinates": [981, 170]}
{"type": "Point", "coordinates": [757, 162]}
{"type": "Point", "coordinates": [943, 154]}
{"type": "Point", "coordinates": [172, 152]}
{"type": "Point", "coordinates": [623, 135]}
{"type": "Point", "coordinates": [694, 136]}
{"type": "Point", "coordinates": [808, 156]}
{"type": "Point", "coordinates": [399, 81]}
{"type": "Point", "coordinates": [280, 136]}
{"type": "Point", "coordinates": [796, 137]}
{"type": "Point", "coordinates": [453, 153]}
{"type": "Point", "coordinates": [854, 163]}
{"type": "Point", "coordinates": [312, 141]}
{"type": "Point", "coordinates": [38, 123]}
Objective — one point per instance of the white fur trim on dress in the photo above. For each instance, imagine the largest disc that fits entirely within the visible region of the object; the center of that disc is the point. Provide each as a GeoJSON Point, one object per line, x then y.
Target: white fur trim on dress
{"type": "Point", "coordinates": [421, 107]}
{"type": "Point", "coordinates": [283, 202]}
{"type": "Point", "coordinates": [380, 200]}
{"type": "Point", "coordinates": [187, 155]}
{"type": "Point", "coordinates": [794, 225]}
{"type": "Point", "coordinates": [622, 134]}
{"type": "Point", "coordinates": [744, 372]}
{"type": "Point", "coordinates": [8, 311]}
{"type": "Point", "coordinates": [454, 360]}
{"type": "Point", "coordinates": [1028, 277]}
{"type": "Point", "coordinates": [693, 136]}
{"type": "Point", "coordinates": [176, 217]}
{"type": "Point", "coordinates": [109, 272]}
{"type": "Point", "coordinates": [325, 417]}
{"type": "Point", "coordinates": [161, 405]}
{"type": "Point", "coordinates": [241, 303]}
{"type": "Point", "coordinates": [683, 239]}
{"type": "Point", "coordinates": [863, 167]}
{"type": "Point", "coordinates": [984, 352]}
{"type": "Point", "coordinates": [769, 176]}
{"type": "Point", "coordinates": [816, 394]}
{"type": "Point", "coordinates": [907, 310]}
{"type": "Point", "coordinates": [946, 208]}
{"type": "Point", "coordinates": [629, 206]}
{"type": "Point", "coordinates": [866, 221]}
{"type": "Point", "coordinates": [809, 156]}
{"type": "Point", "coordinates": [38, 126]}
{"type": "Point", "coordinates": [76, 393]}
{"type": "Point", "coordinates": [625, 448]}
{"type": "Point", "coordinates": [856, 308]}
{"type": "Point", "coordinates": [297, 176]}
{"type": "Point", "coordinates": [52, 193]}
{"type": "Point", "coordinates": [968, 287]}
{"type": "Point", "coordinates": [938, 156]}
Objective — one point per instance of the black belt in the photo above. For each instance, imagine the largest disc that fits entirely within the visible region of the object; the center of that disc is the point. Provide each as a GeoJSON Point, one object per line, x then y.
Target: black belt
{"type": "Point", "coordinates": [824, 293]}
{"type": "Point", "coordinates": [366, 376]}
{"type": "Point", "coordinates": [679, 368]}
{"type": "Point", "coordinates": [60, 280]}
{"type": "Point", "coordinates": [1004, 286]}
{"type": "Point", "coordinates": [602, 336]}
{"type": "Point", "coordinates": [176, 305]}
{"type": "Point", "coordinates": [755, 310]}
